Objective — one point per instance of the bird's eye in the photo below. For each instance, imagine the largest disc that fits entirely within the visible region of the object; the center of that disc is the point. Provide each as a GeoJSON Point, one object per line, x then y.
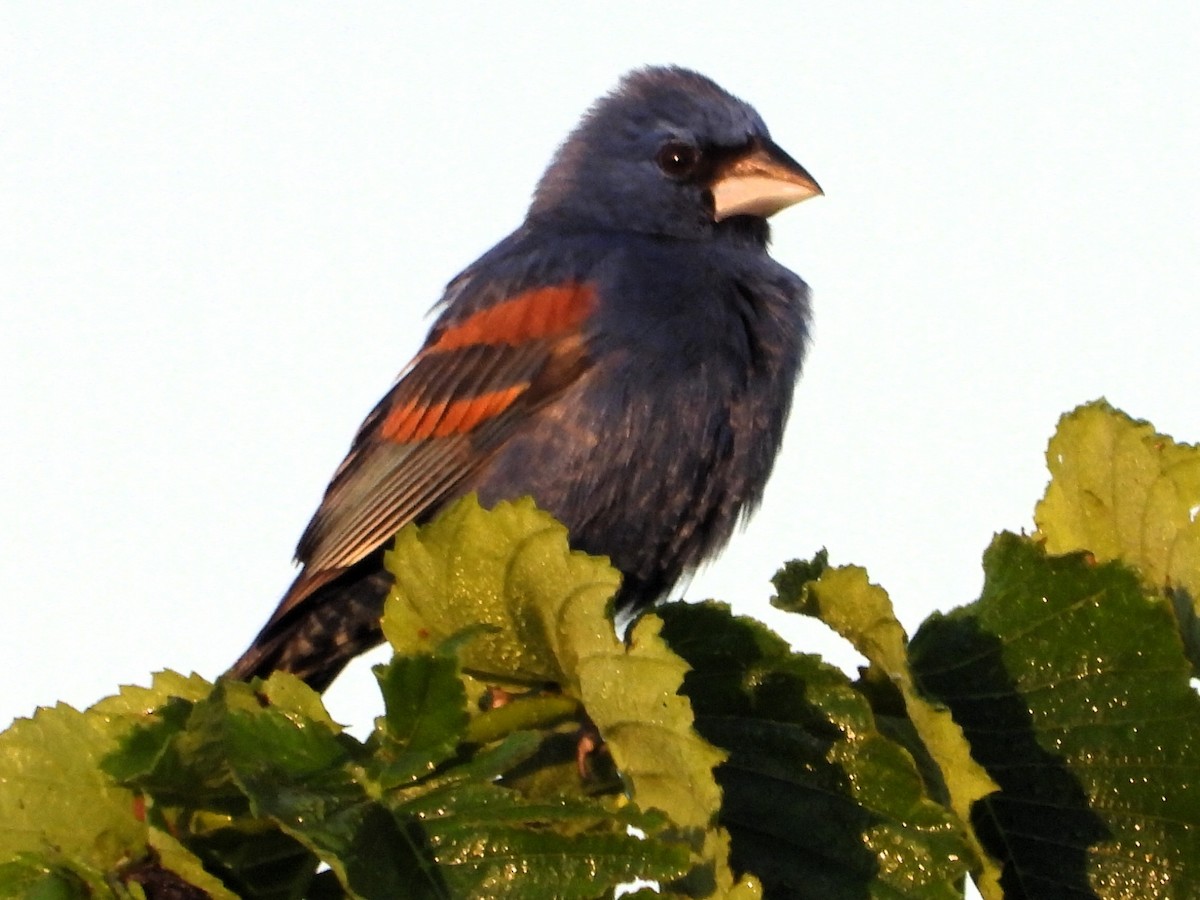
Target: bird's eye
{"type": "Point", "coordinates": [677, 159]}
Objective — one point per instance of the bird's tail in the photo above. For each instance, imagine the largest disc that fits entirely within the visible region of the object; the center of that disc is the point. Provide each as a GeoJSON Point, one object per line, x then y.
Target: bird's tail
{"type": "Point", "coordinates": [316, 632]}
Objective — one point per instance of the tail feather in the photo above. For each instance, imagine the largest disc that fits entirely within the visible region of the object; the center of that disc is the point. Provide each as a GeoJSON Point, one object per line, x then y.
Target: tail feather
{"type": "Point", "coordinates": [319, 633]}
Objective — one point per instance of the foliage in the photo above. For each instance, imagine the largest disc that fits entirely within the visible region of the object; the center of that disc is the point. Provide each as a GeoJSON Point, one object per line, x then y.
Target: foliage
{"type": "Point", "coordinates": [1040, 739]}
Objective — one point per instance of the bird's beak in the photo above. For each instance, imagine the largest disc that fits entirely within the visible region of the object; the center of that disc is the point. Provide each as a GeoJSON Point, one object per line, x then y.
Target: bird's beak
{"type": "Point", "coordinates": [760, 182]}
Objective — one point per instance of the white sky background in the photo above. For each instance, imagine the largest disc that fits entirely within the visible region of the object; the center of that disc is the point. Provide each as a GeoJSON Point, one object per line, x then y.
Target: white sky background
{"type": "Point", "coordinates": [221, 227]}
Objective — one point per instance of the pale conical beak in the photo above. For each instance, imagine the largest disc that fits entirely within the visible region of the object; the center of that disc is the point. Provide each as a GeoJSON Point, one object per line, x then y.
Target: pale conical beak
{"type": "Point", "coordinates": [760, 182]}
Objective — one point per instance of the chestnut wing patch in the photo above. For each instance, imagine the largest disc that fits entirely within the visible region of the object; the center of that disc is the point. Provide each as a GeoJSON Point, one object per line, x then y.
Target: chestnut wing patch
{"type": "Point", "coordinates": [474, 381]}
{"type": "Point", "coordinates": [535, 314]}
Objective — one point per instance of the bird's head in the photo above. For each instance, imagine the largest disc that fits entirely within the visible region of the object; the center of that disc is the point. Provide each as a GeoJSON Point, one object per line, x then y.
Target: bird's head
{"type": "Point", "coordinates": [668, 153]}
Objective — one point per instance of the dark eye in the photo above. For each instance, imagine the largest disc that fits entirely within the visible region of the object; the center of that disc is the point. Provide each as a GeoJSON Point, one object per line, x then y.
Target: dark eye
{"type": "Point", "coordinates": [677, 159]}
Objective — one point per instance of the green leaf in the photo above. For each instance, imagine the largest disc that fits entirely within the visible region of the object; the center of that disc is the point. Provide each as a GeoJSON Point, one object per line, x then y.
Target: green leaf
{"type": "Point", "coordinates": [817, 801]}
{"type": "Point", "coordinates": [512, 568]}
{"type": "Point", "coordinates": [1121, 491]}
{"type": "Point", "coordinates": [63, 816]}
{"type": "Point", "coordinates": [299, 774]}
{"type": "Point", "coordinates": [92, 820]}
{"type": "Point", "coordinates": [472, 566]}
{"type": "Point", "coordinates": [270, 751]}
{"type": "Point", "coordinates": [259, 782]}
{"type": "Point", "coordinates": [425, 716]}
{"type": "Point", "coordinates": [134, 704]}
{"type": "Point", "coordinates": [861, 612]}
{"type": "Point", "coordinates": [142, 748]}
{"type": "Point", "coordinates": [549, 608]}
{"type": "Point", "coordinates": [1069, 680]}
{"type": "Point", "coordinates": [54, 795]}
{"type": "Point", "coordinates": [264, 864]}
{"type": "Point", "coordinates": [198, 754]}
{"type": "Point", "coordinates": [33, 879]}
{"type": "Point", "coordinates": [491, 842]}
{"type": "Point", "coordinates": [293, 698]}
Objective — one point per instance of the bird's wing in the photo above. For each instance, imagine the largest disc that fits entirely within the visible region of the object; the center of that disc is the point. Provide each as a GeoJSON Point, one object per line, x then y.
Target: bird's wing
{"type": "Point", "coordinates": [478, 375]}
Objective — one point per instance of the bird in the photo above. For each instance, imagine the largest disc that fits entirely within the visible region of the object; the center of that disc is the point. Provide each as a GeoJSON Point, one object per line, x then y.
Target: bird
{"type": "Point", "coordinates": [627, 357]}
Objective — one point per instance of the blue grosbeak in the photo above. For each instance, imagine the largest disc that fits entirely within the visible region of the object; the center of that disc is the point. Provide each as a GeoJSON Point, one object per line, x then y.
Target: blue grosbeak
{"type": "Point", "coordinates": [627, 357]}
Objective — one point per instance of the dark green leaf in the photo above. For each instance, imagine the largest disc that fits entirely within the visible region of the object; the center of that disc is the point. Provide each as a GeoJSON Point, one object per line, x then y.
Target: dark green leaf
{"type": "Point", "coordinates": [505, 568]}
{"type": "Point", "coordinates": [425, 717]}
{"type": "Point", "coordinates": [861, 612]}
{"type": "Point", "coordinates": [63, 815]}
{"type": "Point", "coordinates": [818, 803]}
{"type": "Point", "coordinates": [264, 864]}
{"type": "Point", "coordinates": [490, 842]}
{"type": "Point", "coordinates": [512, 568]}
{"type": "Point", "coordinates": [92, 822]}
{"type": "Point", "coordinates": [35, 880]}
{"type": "Point", "coordinates": [1121, 491]}
{"type": "Point", "coordinates": [1069, 680]}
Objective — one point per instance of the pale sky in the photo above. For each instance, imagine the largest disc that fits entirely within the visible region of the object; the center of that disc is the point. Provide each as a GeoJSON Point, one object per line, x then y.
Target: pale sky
{"type": "Point", "coordinates": [223, 225]}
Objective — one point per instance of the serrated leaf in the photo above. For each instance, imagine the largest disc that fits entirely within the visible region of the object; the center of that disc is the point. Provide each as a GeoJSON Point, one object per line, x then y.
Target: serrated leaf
{"type": "Point", "coordinates": [58, 804]}
{"type": "Point", "coordinates": [195, 754]}
{"type": "Point", "coordinates": [818, 803]}
{"type": "Point", "coordinates": [490, 842]}
{"type": "Point", "coordinates": [264, 864]}
{"type": "Point", "coordinates": [632, 694]}
{"type": "Point", "coordinates": [454, 833]}
{"type": "Point", "coordinates": [296, 700]}
{"type": "Point", "coordinates": [512, 568]}
{"type": "Point", "coordinates": [142, 748]}
{"type": "Point", "coordinates": [270, 746]}
{"type": "Point", "coordinates": [1069, 680]}
{"type": "Point", "coordinates": [133, 703]}
{"type": "Point", "coordinates": [285, 758]}
{"type": "Point", "coordinates": [302, 777]}
{"type": "Point", "coordinates": [425, 714]}
{"type": "Point", "coordinates": [861, 612]}
{"type": "Point", "coordinates": [549, 606]}
{"type": "Point", "coordinates": [458, 572]}
{"type": "Point", "coordinates": [1121, 491]}
{"type": "Point", "coordinates": [93, 820]}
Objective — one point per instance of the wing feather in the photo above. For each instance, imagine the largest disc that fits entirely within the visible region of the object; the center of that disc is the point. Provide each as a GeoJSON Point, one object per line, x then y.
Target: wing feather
{"type": "Point", "coordinates": [475, 380]}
